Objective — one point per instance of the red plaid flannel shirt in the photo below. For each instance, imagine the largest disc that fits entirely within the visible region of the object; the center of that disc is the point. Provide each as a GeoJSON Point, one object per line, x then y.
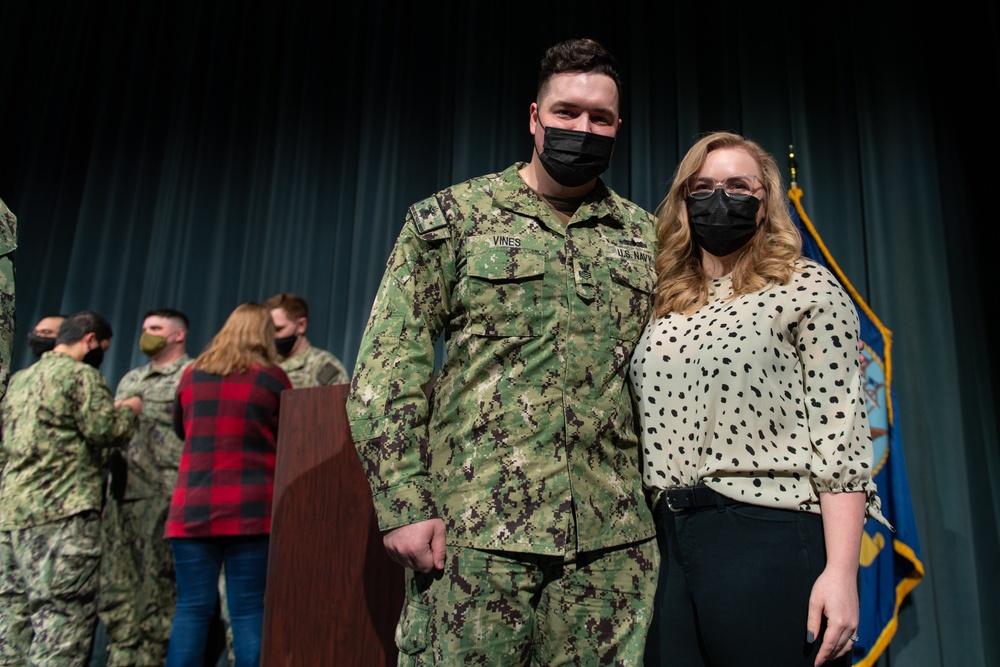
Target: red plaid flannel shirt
{"type": "Point", "coordinates": [229, 424]}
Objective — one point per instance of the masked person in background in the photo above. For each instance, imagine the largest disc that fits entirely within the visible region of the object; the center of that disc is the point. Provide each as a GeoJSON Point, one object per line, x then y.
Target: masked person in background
{"type": "Point", "coordinates": [137, 572]}
{"type": "Point", "coordinates": [513, 496]}
{"type": "Point", "coordinates": [757, 452]}
{"type": "Point", "coordinates": [305, 364]}
{"type": "Point", "coordinates": [59, 420]}
{"type": "Point", "coordinates": [43, 337]}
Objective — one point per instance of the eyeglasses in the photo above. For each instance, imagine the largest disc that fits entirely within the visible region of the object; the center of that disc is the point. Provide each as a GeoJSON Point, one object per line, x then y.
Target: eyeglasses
{"type": "Point", "coordinates": [736, 187]}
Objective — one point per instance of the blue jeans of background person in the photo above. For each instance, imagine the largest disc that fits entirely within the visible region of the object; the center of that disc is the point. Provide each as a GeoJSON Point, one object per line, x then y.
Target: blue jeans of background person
{"type": "Point", "coordinates": [197, 563]}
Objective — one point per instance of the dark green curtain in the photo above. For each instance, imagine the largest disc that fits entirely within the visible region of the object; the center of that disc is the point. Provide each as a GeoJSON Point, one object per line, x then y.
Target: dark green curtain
{"type": "Point", "coordinates": [201, 154]}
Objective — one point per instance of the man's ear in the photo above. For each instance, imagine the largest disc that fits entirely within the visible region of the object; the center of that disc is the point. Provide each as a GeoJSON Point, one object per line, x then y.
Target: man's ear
{"type": "Point", "coordinates": [301, 325]}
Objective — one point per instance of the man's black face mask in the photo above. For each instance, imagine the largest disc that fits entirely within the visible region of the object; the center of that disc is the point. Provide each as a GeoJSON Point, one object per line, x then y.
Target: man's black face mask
{"type": "Point", "coordinates": [40, 344]}
{"type": "Point", "coordinates": [94, 357]}
{"type": "Point", "coordinates": [572, 157]}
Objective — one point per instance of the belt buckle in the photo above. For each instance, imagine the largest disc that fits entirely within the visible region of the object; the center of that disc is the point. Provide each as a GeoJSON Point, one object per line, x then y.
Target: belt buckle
{"type": "Point", "coordinates": [686, 492]}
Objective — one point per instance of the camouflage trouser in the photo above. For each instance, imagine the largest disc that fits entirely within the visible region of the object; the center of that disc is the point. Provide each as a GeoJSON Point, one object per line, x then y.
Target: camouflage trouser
{"type": "Point", "coordinates": [502, 608]}
{"type": "Point", "coordinates": [138, 592]}
{"type": "Point", "coordinates": [224, 610]}
{"type": "Point", "coordinates": [48, 592]}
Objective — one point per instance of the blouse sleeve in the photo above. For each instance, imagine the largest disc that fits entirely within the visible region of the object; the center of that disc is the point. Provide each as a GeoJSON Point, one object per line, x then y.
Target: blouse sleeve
{"type": "Point", "coordinates": [829, 350]}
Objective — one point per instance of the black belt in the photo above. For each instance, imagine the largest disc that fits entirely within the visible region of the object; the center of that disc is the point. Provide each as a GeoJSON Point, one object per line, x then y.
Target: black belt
{"type": "Point", "coordinates": [686, 498]}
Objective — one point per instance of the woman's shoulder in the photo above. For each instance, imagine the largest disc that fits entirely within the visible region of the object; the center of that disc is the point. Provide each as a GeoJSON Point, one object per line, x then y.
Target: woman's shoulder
{"type": "Point", "coordinates": [818, 284]}
{"type": "Point", "coordinates": [803, 263]}
{"type": "Point", "coordinates": [810, 271]}
{"type": "Point", "coordinates": [275, 372]}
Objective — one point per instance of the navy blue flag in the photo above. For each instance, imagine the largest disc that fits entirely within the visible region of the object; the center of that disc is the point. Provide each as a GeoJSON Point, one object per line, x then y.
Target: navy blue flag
{"type": "Point", "coordinates": [890, 562]}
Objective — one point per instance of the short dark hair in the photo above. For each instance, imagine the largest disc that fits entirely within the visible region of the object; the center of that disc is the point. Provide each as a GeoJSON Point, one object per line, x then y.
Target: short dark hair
{"type": "Point", "coordinates": [293, 305]}
{"type": "Point", "coordinates": [170, 314]}
{"type": "Point", "coordinates": [78, 325]}
{"type": "Point", "coordinates": [576, 55]}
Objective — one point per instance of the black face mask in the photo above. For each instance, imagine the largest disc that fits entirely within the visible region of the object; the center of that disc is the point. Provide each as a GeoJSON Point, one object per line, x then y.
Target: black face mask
{"type": "Point", "coordinates": [40, 344]}
{"type": "Point", "coordinates": [94, 357]}
{"type": "Point", "coordinates": [572, 157]}
{"type": "Point", "coordinates": [285, 344]}
{"type": "Point", "coordinates": [720, 224]}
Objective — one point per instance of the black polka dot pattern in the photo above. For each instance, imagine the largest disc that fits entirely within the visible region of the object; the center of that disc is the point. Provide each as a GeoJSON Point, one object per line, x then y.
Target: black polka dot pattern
{"type": "Point", "coordinates": [760, 396]}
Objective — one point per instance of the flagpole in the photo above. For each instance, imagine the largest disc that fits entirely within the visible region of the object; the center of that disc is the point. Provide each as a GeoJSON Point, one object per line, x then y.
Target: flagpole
{"type": "Point", "coordinates": [793, 167]}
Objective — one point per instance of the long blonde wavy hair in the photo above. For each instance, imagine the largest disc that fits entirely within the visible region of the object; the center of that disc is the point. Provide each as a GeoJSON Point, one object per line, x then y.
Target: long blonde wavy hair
{"type": "Point", "coordinates": [247, 338]}
{"type": "Point", "coordinates": [682, 285]}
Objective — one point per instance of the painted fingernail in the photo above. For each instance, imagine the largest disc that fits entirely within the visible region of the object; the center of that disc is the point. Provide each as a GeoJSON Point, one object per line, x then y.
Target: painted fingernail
{"type": "Point", "coordinates": [810, 637]}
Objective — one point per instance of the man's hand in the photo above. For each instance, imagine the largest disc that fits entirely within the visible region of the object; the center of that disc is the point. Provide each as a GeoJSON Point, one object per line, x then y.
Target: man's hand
{"type": "Point", "coordinates": [133, 402]}
{"type": "Point", "coordinates": [418, 546]}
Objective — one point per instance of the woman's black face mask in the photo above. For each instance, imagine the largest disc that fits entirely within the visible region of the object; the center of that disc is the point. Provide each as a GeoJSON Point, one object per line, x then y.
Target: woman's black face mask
{"type": "Point", "coordinates": [721, 224]}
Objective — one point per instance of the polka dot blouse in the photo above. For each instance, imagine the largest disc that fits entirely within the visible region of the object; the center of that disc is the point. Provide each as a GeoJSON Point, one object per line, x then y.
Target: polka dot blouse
{"type": "Point", "coordinates": [760, 397]}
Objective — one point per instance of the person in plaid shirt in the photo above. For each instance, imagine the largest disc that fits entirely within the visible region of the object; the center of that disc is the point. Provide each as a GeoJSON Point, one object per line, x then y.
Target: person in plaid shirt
{"type": "Point", "coordinates": [226, 410]}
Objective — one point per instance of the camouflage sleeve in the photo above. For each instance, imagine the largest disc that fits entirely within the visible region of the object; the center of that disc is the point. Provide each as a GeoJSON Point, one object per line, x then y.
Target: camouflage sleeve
{"type": "Point", "coordinates": [3, 452]}
{"type": "Point", "coordinates": [128, 386]}
{"type": "Point", "coordinates": [8, 244]}
{"type": "Point", "coordinates": [100, 422]}
{"type": "Point", "coordinates": [387, 405]}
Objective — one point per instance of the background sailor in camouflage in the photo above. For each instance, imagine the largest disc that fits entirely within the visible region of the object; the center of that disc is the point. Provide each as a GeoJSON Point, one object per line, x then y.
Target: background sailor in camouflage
{"type": "Point", "coordinates": [514, 496]}
{"type": "Point", "coordinates": [138, 592]}
{"type": "Point", "coordinates": [8, 244]}
{"type": "Point", "coordinates": [42, 338]}
{"type": "Point", "coordinates": [305, 365]}
{"type": "Point", "coordinates": [58, 420]}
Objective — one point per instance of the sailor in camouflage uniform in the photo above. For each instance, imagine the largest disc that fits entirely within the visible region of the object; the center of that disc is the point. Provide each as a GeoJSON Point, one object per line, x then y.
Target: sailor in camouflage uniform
{"type": "Point", "coordinates": [513, 496]}
{"type": "Point", "coordinates": [58, 421]}
{"type": "Point", "coordinates": [8, 244]}
{"type": "Point", "coordinates": [138, 592]}
{"type": "Point", "coordinates": [305, 365]}
{"type": "Point", "coordinates": [42, 338]}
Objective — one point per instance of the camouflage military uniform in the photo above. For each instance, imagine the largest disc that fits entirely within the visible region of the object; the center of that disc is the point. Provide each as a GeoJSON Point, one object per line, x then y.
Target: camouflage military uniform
{"type": "Point", "coordinates": [8, 244]}
{"type": "Point", "coordinates": [528, 444]}
{"type": "Point", "coordinates": [313, 367]}
{"type": "Point", "coordinates": [138, 591]}
{"type": "Point", "coordinates": [58, 418]}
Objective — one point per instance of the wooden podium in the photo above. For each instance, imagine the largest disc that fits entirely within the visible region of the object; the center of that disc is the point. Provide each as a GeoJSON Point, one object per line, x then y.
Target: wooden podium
{"type": "Point", "coordinates": [333, 596]}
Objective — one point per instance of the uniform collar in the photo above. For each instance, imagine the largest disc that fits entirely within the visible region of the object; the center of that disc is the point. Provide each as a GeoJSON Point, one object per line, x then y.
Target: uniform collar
{"type": "Point", "coordinates": [511, 193]}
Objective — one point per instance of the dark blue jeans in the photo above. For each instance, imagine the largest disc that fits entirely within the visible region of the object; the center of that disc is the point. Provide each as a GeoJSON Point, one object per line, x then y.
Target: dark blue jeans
{"type": "Point", "coordinates": [197, 563]}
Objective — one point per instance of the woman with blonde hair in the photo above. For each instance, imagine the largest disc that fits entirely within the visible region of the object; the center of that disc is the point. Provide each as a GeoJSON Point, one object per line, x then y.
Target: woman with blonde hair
{"type": "Point", "coordinates": [756, 448]}
{"type": "Point", "coordinates": [226, 410]}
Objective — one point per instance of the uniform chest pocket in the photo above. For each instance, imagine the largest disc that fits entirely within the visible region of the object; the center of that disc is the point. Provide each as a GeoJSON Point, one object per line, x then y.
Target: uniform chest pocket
{"type": "Point", "coordinates": [631, 298]}
{"type": "Point", "coordinates": [505, 292]}
{"type": "Point", "coordinates": [160, 392]}
{"type": "Point", "coordinates": [158, 401]}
